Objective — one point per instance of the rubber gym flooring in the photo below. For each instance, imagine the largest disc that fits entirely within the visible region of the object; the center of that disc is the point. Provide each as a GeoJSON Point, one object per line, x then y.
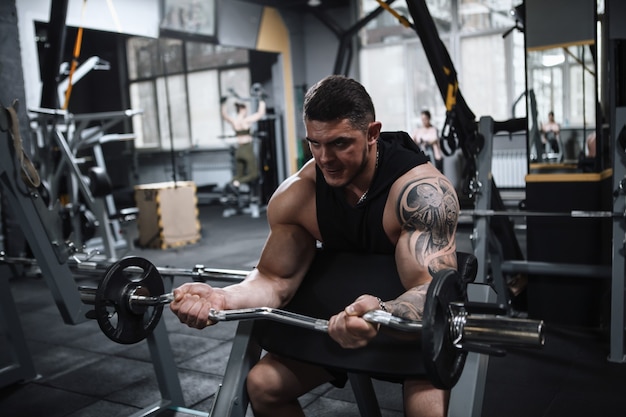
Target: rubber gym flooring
{"type": "Point", "coordinates": [82, 373]}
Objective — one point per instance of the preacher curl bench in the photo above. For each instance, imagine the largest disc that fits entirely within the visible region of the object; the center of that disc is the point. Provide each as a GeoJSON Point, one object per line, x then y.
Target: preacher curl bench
{"type": "Point", "coordinates": [128, 308]}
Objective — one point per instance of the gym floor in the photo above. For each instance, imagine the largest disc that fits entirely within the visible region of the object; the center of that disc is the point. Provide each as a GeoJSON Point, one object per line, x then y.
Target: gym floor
{"type": "Point", "coordinates": [82, 373]}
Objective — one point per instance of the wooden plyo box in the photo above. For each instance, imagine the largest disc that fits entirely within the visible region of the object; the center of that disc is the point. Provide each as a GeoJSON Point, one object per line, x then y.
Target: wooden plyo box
{"type": "Point", "coordinates": [168, 214]}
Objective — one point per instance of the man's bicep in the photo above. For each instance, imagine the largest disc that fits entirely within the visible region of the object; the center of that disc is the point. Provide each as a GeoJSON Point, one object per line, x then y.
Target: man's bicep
{"type": "Point", "coordinates": [287, 254]}
{"type": "Point", "coordinates": [428, 210]}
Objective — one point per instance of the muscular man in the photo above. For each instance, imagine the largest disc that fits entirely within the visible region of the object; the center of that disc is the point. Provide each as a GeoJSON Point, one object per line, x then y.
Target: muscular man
{"type": "Point", "coordinates": [364, 191]}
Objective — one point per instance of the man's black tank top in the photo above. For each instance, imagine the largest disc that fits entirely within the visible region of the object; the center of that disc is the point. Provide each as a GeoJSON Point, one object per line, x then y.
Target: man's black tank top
{"type": "Point", "coordinates": [357, 259]}
{"type": "Point", "coordinates": [359, 228]}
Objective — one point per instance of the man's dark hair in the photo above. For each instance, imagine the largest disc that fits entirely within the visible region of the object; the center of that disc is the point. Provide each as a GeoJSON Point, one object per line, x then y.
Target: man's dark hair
{"type": "Point", "coordinates": [337, 97]}
{"type": "Point", "coordinates": [239, 106]}
{"type": "Point", "coordinates": [426, 113]}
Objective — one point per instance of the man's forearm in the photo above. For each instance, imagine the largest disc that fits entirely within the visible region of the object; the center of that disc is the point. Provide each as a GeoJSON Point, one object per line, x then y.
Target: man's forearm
{"type": "Point", "coordinates": [258, 290]}
{"type": "Point", "coordinates": [409, 305]}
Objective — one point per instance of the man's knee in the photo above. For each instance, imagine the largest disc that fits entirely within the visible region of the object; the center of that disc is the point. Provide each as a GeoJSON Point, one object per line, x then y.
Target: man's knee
{"type": "Point", "coordinates": [268, 383]}
{"type": "Point", "coordinates": [260, 384]}
{"type": "Point", "coordinates": [422, 399]}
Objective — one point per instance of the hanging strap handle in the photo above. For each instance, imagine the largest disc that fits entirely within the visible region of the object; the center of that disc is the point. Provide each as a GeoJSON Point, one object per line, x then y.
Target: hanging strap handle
{"type": "Point", "coordinates": [29, 173]}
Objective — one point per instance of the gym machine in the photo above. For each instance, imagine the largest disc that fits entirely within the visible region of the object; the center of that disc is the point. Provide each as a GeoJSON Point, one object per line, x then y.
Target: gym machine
{"type": "Point", "coordinates": [90, 208]}
{"type": "Point", "coordinates": [88, 205]}
{"type": "Point", "coordinates": [461, 131]}
{"type": "Point", "coordinates": [55, 256]}
{"type": "Point", "coordinates": [487, 247]}
{"type": "Point", "coordinates": [616, 35]}
{"type": "Point", "coordinates": [129, 299]}
{"type": "Point", "coordinates": [19, 181]}
{"type": "Point", "coordinates": [613, 151]}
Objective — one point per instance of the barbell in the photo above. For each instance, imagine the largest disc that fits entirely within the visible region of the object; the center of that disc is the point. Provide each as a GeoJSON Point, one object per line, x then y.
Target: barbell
{"type": "Point", "coordinates": [129, 300]}
{"type": "Point", "coordinates": [575, 214]}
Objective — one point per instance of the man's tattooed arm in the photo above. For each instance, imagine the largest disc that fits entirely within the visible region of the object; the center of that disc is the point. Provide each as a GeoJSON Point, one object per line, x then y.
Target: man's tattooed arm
{"type": "Point", "coordinates": [428, 211]}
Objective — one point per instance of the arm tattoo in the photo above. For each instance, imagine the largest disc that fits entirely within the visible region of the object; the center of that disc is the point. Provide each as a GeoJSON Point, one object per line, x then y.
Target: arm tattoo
{"type": "Point", "coordinates": [428, 210]}
{"type": "Point", "coordinates": [410, 305]}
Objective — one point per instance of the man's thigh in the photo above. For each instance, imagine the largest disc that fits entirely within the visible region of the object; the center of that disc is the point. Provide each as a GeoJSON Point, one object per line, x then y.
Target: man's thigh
{"type": "Point", "coordinates": [290, 377]}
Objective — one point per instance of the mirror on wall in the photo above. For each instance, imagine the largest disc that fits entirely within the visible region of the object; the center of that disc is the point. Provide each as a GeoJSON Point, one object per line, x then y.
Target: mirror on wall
{"type": "Point", "coordinates": [179, 85]}
{"type": "Point", "coordinates": [561, 80]}
{"type": "Point", "coordinates": [562, 103]}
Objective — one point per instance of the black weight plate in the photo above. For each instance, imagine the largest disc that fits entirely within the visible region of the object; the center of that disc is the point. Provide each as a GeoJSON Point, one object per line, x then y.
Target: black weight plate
{"type": "Point", "coordinates": [442, 360]}
{"type": "Point", "coordinates": [117, 320]}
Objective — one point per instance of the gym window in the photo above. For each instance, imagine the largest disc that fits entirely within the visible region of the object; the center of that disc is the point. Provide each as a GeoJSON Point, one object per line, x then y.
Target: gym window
{"type": "Point", "coordinates": [178, 83]}
{"type": "Point", "coordinates": [395, 69]}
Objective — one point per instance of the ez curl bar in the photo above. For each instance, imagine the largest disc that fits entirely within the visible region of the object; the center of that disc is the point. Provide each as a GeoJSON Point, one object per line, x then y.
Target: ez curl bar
{"type": "Point", "coordinates": [129, 301]}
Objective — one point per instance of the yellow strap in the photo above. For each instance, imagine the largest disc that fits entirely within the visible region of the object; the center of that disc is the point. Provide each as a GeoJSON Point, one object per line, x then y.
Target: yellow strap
{"type": "Point", "coordinates": [453, 88]}
{"type": "Point", "coordinates": [397, 15]}
{"type": "Point", "coordinates": [77, 45]}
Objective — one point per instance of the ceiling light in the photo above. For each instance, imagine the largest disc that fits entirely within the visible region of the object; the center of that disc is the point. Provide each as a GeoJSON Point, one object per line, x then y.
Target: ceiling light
{"type": "Point", "coordinates": [314, 3]}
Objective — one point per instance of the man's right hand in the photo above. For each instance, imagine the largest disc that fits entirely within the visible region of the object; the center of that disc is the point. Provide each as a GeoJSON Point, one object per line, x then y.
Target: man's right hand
{"type": "Point", "coordinates": [349, 329]}
{"type": "Point", "coordinates": [193, 301]}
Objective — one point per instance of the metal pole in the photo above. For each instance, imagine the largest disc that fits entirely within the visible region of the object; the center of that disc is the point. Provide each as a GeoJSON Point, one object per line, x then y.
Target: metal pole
{"type": "Point", "coordinates": [466, 398]}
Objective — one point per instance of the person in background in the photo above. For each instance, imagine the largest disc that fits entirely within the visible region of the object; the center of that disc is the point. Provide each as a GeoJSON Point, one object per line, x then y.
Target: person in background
{"type": "Point", "coordinates": [363, 191]}
{"type": "Point", "coordinates": [590, 145]}
{"type": "Point", "coordinates": [246, 167]}
{"type": "Point", "coordinates": [550, 134]}
{"type": "Point", "coordinates": [427, 138]}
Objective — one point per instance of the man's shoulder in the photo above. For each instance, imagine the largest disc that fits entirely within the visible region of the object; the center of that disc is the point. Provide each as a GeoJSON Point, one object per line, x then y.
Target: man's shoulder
{"type": "Point", "coordinates": [421, 174]}
{"type": "Point", "coordinates": [293, 203]}
{"type": "Point", "coordinates": [305, 173]}
{"type": "Point", "coordinates": [299, 187]}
